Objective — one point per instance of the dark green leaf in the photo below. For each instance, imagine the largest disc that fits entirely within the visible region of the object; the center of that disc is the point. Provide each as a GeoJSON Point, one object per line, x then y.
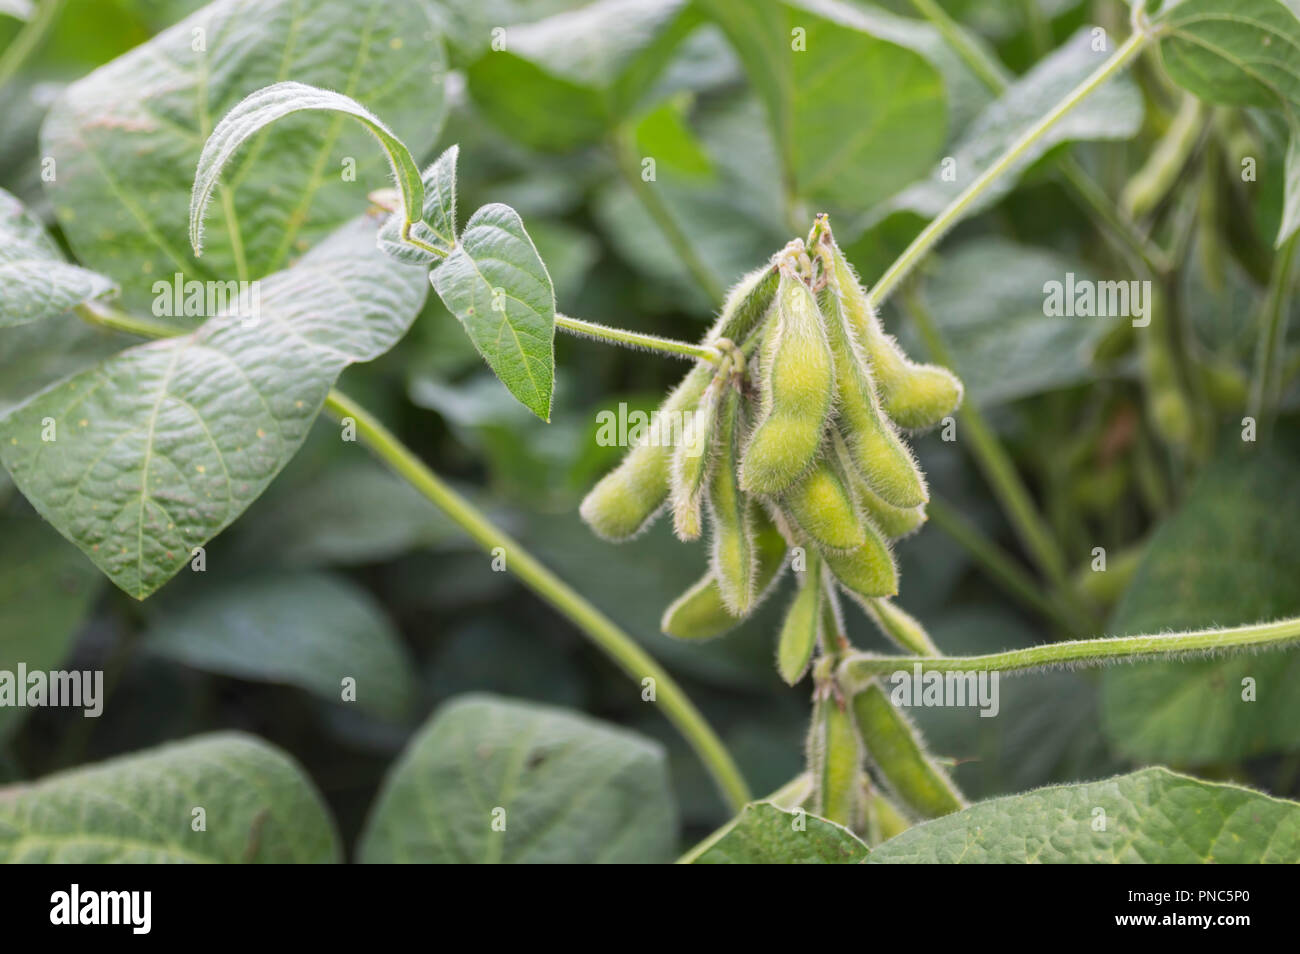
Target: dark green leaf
{"type": "Point", "coordinates": [1154, 816]}
{"type": "Point", "coordinates": [765, 834]}
{"type": "Point", "coordinates": [560, 788]}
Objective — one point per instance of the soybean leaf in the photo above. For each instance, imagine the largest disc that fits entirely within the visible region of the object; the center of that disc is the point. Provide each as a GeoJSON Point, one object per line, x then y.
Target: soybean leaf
{"type": "Point", "coordinates": [258, 806]}
{"type": "Point", "coordinates": [438, 222]}
{"type": "Point", "coordinates": [1229, 556]}
{"type": "Point", "coordinates": [46, 592]}
{"type": "Point", "coordinates": [35, 281]}
{"type": "Point", "coordinates": [817, 64]}
{"type": "Point", "coordinates": [127, 137]}
{"type": "Point", "coordinates": [260, 109]}
{"type": "Point", "coordinates": [311, 630]}
{"type": "Point", "coordinates": [152, 452]}
{"type": "Point", "coordinates": [1112, 112]}
{"type": "Point", "coordinates": [496, 285]}
{"type": "Point", "coordinates": [765, 834]}
{"type": "Point", "coordinates": [988, 301]}
{"type": "Point", "coordinates": [1240, 53]}
{"type": "Point", "coordinates": [42, 352]}
{"type": "Point", "coordinates": [1154, 816]}
{"type": "Point", "coordinates": [562, 82]}
{"type": "Point", "coordinates": [492, 780]}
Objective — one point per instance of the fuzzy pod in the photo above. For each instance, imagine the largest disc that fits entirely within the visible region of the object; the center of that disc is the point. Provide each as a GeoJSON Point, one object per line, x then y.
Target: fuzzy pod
{"type": "Point", "coordinates": [884, 818]}
{"type": "Point", "coordinates": [891, 745]}
{"type": "Point", "coordinates": [626, 500]}
{"type": "Point", "coordinates": [799, 630]}
{"type": "Point", "coordinates": [900, 627]}
{"type": "Point", "coordinates": [821, 505]}
{"type": "Point", "coordinates": [797, 379]}
{"type": "Point", "coordinates": [874, 448]}
{"type": "Point", "coordinates": [746, 305]}
{"type": "Point", "coordinates": [894, 522]}
{"type": "Point", "coordinates": [834, 755]}
{"type": "Point", "coordinates": [733, 554]}
{"type": "Point", "coordinates": [869, 571]}
{"type": "Point", "coordinates": [914, 396]}
{"type": "Point", "coordinates": [693, 457]}
{"type": "Point", "coordinates": [700, 612]}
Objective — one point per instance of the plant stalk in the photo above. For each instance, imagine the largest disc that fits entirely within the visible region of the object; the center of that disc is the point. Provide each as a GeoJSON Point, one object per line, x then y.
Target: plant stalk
{"type": "Point", "coordinates": [1266, 387]}
{"type": "Point", "coordinates": [633, 339]}
{"type": "Point", "coordinates": [620, 647]}
{"type": "Point", "coordinates": [28, 39]}
{"type": "Point", "coordinates": [860, 669]}
{"type": "Point", "coordinates": [930, 235]}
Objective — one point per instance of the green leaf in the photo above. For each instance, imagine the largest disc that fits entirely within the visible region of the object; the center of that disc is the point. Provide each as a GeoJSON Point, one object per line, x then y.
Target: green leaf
{"type": "Point", "coordinates": [262, 108]}
{"type": "Point", "coordinates": [258, 805]}
{"type": "Point", "coordinates": [496, 285]}
{"type": "Point", "coordinates": [1240, 53]}
{"type": "Point", "coordinates": [1229, 556]}
{"type": "Point", "coordinates": [159, 448]}
{"type": "Point", "coordinates": [35, 281]}
{"type": "Point", "coordinates": [566, 788]}
{"type": "Point", "coordinates": [128, 136]}
{"type": "Point", "coordinates": [664, 134]}
{"type": "Point", "coordinates": [563, 82]}
{"type": "Point", "coordinates": [438, 223]}
{"type": "Point", "coordinates": [310, 630]}
{"type": "Point", "coordinates": [1114, 111]}
{"type": "Point", "coordinates": [988, 303]}
{"type": "Point", "coordinates": [46, 591]}
{"type": "Point", "coordinates": [814, 64]}
{"type": "Point", "coordinates": [766, 834]}
{"type": "Point", "coordinates": [1154, 816]}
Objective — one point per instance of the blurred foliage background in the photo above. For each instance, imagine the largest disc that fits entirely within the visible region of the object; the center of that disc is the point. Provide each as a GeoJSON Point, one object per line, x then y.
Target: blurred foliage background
{"type": "Point", "coordinates": [1197, 525]}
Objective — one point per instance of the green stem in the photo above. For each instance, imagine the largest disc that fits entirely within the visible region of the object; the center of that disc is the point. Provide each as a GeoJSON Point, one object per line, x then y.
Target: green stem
{"type": "Point", "coordinates": [995, 462]}
{"type": "Point", "coordinates": [598, 627]}
{"type": "Point", "coordinates": [620, 647]}
{"type": "Point", "coordinates": [632, 339]}
{"type": "Point", "coordinates": [1266, 387]}
{"type": "Point", "coordinates": [998, 563]}
{"type": "Point", "coordinates": [29, 37]}
{"type": "Point", "coordinates": [946, 219]}
{"type": "Point", "coordinates": [860, 669]}
{"type": "Point", "coordinates": [654, 204]}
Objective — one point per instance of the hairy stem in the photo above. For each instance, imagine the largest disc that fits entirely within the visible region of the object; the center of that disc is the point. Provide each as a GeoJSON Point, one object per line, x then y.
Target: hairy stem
{"type": "Point", "coordinates": [632, 339]}
{"type": "Point", "coordinates": [860, 669]}
{"type": "Point", "coordinates": [940, 224]}
{"type": "Point", "coordinates": [600, 629]}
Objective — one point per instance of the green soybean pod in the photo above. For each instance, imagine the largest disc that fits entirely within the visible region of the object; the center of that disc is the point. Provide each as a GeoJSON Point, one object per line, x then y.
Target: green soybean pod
{"type": "Point", "coordinates": [873, 446]}
{"type": "Point", "coordinates": [900, 627]}
{"type": "Point", "coordinates": [732, 557]}
{"type": "Point", "coordinates": [835, 760]}
{"type": "Point", "coordinates": [693, 457]}
{"type": "Point", "coordinates": [626, 500]}
{"type": "Point", "coordinates": [799, 630]}
{"type": "Point", "coordinates": [869, 571]}
{"type": "Point", "coordinates": [914, 396]}
{"type": "Point", "coordinates": [746, 305]}
{"type": "Point", "coordinates": [891, 745]}
{"type": "Point", "coordinates": [822, 506]}
{"type": "Point", "coordinates": [796, 383]}
{"type": "Point", "coordinates": [893, 522]}
{"type": "Point", "coordinates": [700, 612]}
{"type": "Point", "coordinates": [884, 818]}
